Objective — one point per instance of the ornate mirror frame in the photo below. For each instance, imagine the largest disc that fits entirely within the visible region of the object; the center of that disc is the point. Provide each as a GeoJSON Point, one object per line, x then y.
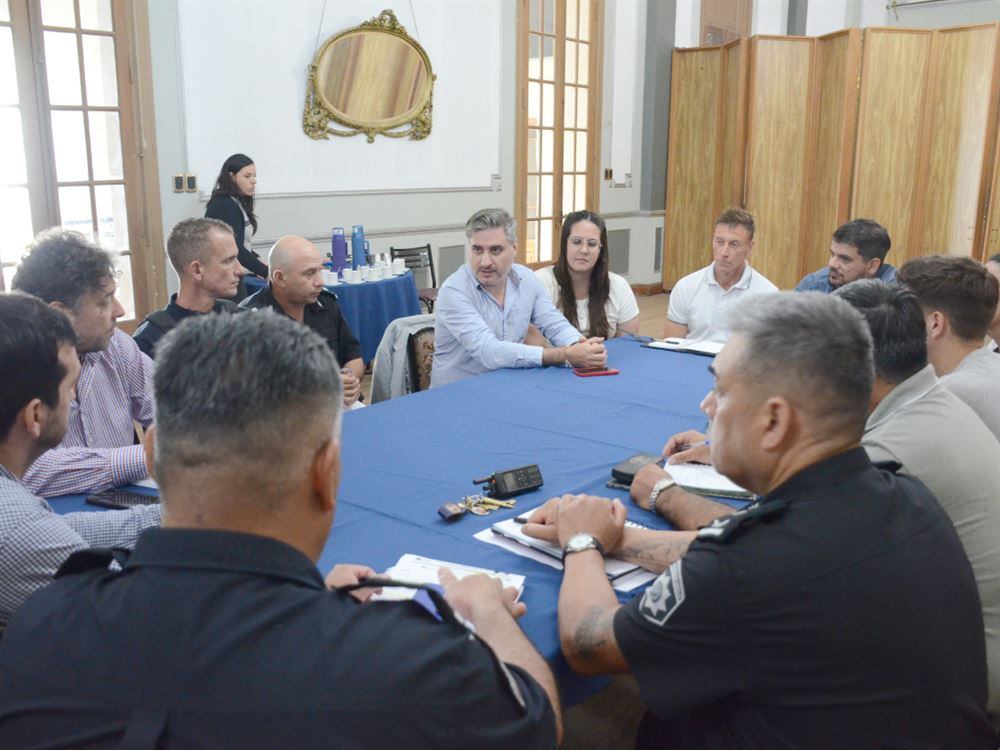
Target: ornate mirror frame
{"type": "Point", "coordinates": [318, 112]}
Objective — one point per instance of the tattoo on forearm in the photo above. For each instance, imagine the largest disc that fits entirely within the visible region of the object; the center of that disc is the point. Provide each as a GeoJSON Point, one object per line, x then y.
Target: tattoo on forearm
{"type": "Point", "coordinates": [654, 554]}
{"type": "Point", "coordinates": [590, 635]}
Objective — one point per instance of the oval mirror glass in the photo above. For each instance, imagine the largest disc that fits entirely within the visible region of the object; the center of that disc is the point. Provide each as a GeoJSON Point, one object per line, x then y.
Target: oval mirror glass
{"type": "Point", "coordinates": [374, 78]}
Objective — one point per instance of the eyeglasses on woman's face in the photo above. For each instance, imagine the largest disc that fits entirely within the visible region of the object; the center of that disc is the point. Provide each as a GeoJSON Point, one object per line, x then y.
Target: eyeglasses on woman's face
{"type": "Point", "coordinates": [579, 242]}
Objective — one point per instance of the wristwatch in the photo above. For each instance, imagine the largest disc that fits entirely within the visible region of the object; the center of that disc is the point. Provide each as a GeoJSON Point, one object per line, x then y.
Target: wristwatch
{"type": "Point", "coordinates": [654, 493]}
{"type": "Point", "coordinates": [580, 542]}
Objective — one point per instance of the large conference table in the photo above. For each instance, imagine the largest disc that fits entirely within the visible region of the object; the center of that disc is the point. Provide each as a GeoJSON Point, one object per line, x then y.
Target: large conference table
{"type": "Point", "coordinates": [403, 458]}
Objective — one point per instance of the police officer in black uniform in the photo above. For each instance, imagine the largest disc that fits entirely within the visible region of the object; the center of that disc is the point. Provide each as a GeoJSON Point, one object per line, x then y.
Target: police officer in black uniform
{"type": "Point", "coordinates": [203, 253]}
{"type": "Point", "coordinates": [837, 611]}
{"type": "Point", "coordinates": [295, 289]}
{"type": "Point", "coordinates": [218, 631]}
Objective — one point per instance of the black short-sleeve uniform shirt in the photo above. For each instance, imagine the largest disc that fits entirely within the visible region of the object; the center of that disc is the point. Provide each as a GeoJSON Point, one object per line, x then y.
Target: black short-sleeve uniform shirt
{"type": "Point", "coordinates": [324, 316]}
{"type": "Point", "coordinates": [159, 323]}
{"type": "Point", "coordinates": [213, 639]}
{"type": "Point", "coordinates": [840, 612]}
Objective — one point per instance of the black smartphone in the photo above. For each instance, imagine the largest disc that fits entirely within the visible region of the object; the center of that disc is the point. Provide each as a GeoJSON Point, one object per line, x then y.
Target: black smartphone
{"type": "Point", "coordinates": [121, 499]}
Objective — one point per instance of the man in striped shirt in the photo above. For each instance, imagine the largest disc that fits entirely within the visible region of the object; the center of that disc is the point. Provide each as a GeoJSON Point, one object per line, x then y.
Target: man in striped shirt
{"type": "Point", "coordinates": [115, 387]}
{"type": "Point", "coordinates": [39, 368]}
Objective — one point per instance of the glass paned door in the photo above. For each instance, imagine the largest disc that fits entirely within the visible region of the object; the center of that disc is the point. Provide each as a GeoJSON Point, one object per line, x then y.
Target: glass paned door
{"type": "Point", "coordinates": [15, 200]}
{"type": "Point", "coordinates": [557, 163]}
{"type": "Point", "coordinates": [86, 127]}
{"type": "Point", "coordinates": [65, 160]}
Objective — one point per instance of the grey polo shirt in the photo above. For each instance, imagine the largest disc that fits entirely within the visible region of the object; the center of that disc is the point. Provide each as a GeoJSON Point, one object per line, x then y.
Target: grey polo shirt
{"type": "Point", "coordinates": [976, 381]}
{"type": "Point", "coordinates": [941, 441]}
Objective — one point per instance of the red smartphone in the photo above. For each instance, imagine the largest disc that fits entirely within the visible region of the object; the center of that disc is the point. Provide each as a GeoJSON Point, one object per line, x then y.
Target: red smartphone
{"type": "Point", "coordinates": [593, 372]}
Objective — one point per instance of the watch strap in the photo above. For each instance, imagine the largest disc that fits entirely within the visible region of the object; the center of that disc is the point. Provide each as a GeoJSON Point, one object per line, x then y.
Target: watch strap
{"type": "Point", "coordinates": [658, 488]}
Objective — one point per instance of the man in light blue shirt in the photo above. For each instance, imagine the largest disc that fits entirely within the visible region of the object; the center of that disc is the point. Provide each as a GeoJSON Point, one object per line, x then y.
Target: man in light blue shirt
{"type": "Point", "coordinates": [485, 307]}
{"type": "Point", "coordinates": [857, 251]}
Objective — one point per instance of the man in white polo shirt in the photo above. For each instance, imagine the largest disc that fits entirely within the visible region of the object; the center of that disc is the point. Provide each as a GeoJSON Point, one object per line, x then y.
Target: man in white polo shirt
{"type": "Point", "coordinates": [699, 301]}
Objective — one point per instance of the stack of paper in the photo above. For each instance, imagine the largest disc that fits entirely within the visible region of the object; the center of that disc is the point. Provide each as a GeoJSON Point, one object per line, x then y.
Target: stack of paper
{"type": "Point", "coordinates": [705, 480]}
{"type": "Point", "coordinates": [417, 569]}
{"type": "Point", "coordinates": [624, 576]}
{"type": "Point", "coordinates": [694, 346]}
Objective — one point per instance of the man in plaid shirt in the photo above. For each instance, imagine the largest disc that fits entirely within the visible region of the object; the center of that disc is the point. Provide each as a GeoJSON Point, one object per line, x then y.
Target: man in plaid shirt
{"type": "Point", "coordinates": [115, 387]}
{"type": "Point", "coordinates": [39, 368]}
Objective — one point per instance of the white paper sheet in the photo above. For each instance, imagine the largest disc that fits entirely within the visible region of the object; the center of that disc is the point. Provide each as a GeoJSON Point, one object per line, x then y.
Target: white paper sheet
{"type": "Point", "coordinates": [417, 569]}
{"type": "Point", "coordinates": [688, 345]}
{"type": "Point", "coordinates": [626, 583]}
{"type": "Point", "coordinates": [705, 480]}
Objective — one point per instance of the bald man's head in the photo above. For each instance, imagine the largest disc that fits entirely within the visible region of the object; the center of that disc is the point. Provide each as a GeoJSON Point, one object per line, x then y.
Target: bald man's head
{"type": "Point", "coordinates": [296, 268]}
{"type": "Point", "coordinates": [290, 248]}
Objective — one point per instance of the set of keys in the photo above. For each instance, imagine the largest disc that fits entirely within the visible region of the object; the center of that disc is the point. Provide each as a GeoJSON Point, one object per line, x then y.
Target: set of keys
{"type": "Point", "coordinates": [479, 505]}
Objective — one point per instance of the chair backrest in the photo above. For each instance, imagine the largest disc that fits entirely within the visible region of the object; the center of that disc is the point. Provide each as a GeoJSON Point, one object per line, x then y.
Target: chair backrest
{"type": "Point", "coordinates": [391, 373]}
{"type": "Point", "coordinates": [416, 258]}
{"type": "Point", "coordinates": [420, 355]}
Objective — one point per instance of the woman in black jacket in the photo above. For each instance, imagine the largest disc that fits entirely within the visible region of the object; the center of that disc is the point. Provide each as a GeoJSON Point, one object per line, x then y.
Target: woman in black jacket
{"type": "Point", "coordinates": [232, 202]}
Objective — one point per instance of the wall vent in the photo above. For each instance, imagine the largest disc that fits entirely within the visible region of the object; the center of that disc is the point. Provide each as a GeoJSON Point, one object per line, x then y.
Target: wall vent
{"type": "Point", "coordinates": [618, 243]}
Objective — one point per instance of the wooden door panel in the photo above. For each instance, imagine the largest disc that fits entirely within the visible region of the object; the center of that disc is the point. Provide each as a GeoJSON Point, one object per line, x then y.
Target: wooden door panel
{"type": "Point", "coordinates": [962, 111]}
{"type": "Point", "coordinates": [839, 62]}
{"type": "Point", "coordinates": [890, 118]}
{"type": "Point", "coordinates": [777, 140]}
{"type": "Point", "coordinates": [691, 167]}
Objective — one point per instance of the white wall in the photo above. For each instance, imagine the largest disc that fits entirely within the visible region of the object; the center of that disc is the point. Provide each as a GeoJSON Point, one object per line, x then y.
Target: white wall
{"type": "Point", "coordinates": [935, 15]}
{"type": "Point", "coordinates": [392, 216]}
{"type": "Point", "coordinates": [402, 214]}
{"type": "Point", "coordinates": [769, 17]}
{"type": "Point", "coordinates": [825, 16]}
{"type": "Point", "coordinates": [688, 27]}
{"type": "Point", "coordinates": [272, 48]}
{"type": "Point", "coordinates": [621, 135]}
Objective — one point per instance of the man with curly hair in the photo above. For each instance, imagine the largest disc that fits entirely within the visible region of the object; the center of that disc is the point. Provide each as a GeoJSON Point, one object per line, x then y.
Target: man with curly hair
{"type": "Point", "coordinates": [76, 277]}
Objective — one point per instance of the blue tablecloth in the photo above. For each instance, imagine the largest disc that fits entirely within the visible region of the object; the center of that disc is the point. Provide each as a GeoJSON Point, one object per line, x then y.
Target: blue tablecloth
{"type": "Point", "coordinates": [369, 307]}
{"type": "Point", "coordinates": [403, 458]}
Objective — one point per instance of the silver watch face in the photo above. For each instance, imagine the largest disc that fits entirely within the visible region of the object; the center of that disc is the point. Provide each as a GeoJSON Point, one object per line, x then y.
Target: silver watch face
{"type": "Point", "coordinates": [579, 542]}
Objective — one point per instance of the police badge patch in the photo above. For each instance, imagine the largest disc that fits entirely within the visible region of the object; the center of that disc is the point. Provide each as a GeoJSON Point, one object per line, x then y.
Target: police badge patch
{"type": "Point", "coordinates": [664, 595]}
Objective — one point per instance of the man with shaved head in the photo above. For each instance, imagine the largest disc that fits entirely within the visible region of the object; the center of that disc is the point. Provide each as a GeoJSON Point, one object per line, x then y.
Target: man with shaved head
{"type": "Point", "coordinates": [295, 289]}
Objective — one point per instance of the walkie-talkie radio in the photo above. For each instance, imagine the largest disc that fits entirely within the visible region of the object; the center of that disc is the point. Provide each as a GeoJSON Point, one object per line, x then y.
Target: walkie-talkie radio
{"type": "Point", "coordinates": [511, 482]}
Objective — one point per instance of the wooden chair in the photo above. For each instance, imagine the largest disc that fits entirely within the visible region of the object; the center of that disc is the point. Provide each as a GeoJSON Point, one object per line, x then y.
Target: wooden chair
{"type": "Point", "coordinates": [420, 357]}
{"type": "Point", "coordinates": [417, 258]}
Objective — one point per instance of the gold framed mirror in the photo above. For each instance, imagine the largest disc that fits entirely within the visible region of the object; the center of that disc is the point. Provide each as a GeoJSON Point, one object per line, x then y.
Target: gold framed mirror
{"type": "Point", "coordinates": [372, 79]}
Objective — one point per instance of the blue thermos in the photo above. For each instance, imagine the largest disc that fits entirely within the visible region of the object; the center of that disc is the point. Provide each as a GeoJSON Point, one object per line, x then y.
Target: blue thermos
{"type": "Point", "coordinates": [338, 254]}
{"type": "Point", "coordinates": [359, 247]}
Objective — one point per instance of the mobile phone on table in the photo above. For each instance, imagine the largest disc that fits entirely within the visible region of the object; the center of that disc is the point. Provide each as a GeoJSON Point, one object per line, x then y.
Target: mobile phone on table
{"type": "Point", "coordinates": [119, 498]}
{"type": "Point", "coordinates": [593, 372]}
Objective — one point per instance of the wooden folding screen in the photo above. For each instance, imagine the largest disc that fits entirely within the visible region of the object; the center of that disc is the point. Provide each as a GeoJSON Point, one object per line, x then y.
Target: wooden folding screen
{"type": "Point", "coordinates": [914, 145]}
{"type": "Point", "coordinates": [961, 114]}
{"type": "Point", "coordinates": [890, 128]}
{"type": "Point", "coordinates": [780, 139]}
{"type": "Point", "coordinates": [695, 93]}
{"type": "Point", "coordinates": [732, 135]}
{"type": "Point", "coordinates": [705, 160]}
{"type": "Point", "coordinates": [838, 63]}
{"type": "Point", "coordinates": [925, 136]}
{"type": "Point", "coordinates": [991, 244]}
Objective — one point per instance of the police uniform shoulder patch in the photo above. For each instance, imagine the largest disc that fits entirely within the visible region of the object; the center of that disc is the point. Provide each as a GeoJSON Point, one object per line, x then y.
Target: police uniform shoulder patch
{"type": "Point", "coordinates": [722, 529]}
{"type": "Point", "coordinates": [664, 595]}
